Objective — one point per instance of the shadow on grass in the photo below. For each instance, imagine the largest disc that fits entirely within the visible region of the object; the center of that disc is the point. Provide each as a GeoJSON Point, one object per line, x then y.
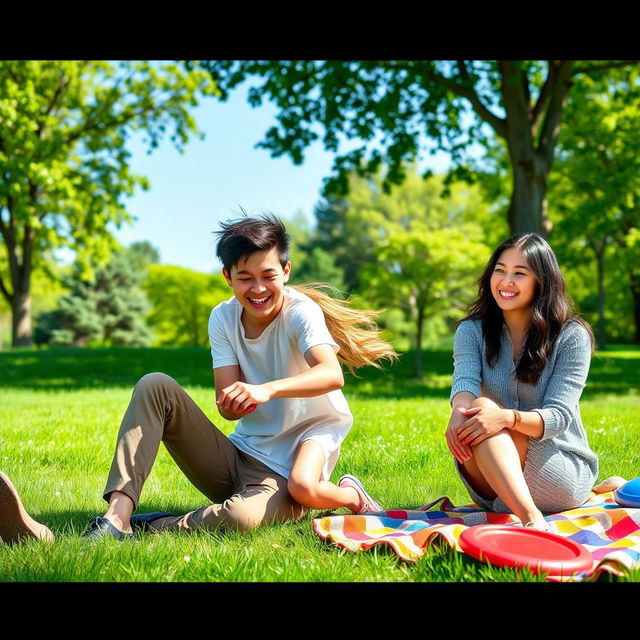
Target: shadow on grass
{"type": "Point", "coordinates": [615, 371]}
{"type": "Point", "coordinates": [74, 522]}
{"type": "Point", "coordinates": [74, 368]}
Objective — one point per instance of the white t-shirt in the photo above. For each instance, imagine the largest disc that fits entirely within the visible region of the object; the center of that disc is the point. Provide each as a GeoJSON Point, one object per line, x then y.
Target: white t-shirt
{"type": "Point", "coordinates": [273, 432]}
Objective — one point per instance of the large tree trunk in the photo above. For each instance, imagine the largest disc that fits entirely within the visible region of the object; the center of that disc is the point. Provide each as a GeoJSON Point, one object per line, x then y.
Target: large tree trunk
{"type": "Point", "coordinates": [20, 277]}
{"type": "Point", "coordinates": [528, 207]}
{"type": "Point", "coordinates": [21, 321]}
{"type": "Point", "coordinates": [531, 132]}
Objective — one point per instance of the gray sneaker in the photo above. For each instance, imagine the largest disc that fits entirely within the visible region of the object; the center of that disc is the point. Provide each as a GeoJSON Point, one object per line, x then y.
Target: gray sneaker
{"type": "Point", "coordinates": [104, 528]}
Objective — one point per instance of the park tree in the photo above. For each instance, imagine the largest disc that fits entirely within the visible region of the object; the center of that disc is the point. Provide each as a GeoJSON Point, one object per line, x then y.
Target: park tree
{"type": "Point", "coordinates": [182, 300]}
{"type": "Point", "coordinates": [64, 174]}
{"type": "Point", "coordinates": [596, 189]}
{"type": "Point", "coordinates": [426, 246]}
{"type": "Point", "coordinates": [353, 226]}
{"type": "Point", "coordinates": [418, 248]}
{"type": "Point", "coordinates": [142, 254]}
{"type": "Point", "coordinates": [47, 287]}
{"type": "Point", "coordinates": [390, 107]}
{"type": "Point", "coordinates": [318, 265]}
{"type": "Point", "coordinates": [311, 263]}
{"type": "Point", "coordinates": [108, 308]}
{"type": "Point", "coordinates": [428, 273]}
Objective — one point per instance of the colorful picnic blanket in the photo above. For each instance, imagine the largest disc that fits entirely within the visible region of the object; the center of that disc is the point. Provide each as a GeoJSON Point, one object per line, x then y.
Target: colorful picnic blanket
{"type": "Point", "coordinates": [609, 531]}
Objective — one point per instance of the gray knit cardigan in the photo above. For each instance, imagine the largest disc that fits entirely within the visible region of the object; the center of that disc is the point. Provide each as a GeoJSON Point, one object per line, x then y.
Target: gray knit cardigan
{"type": "Point", "coordinates": [555, 397]}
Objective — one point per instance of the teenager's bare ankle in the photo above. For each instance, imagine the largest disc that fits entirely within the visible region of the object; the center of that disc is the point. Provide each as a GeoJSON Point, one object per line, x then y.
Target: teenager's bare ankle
{"type": "Point", "coordinates": [118, 523]}
{"type": "Point", "coordinates": [120, 509]}
{"type": "Point", "coordinates": [355, 503]}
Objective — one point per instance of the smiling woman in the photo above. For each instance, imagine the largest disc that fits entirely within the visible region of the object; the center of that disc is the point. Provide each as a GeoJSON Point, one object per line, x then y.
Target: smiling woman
{"type": "Point", "coordinates": [512, 283]}
{"type": "Point", "coordinates": [521, 359]}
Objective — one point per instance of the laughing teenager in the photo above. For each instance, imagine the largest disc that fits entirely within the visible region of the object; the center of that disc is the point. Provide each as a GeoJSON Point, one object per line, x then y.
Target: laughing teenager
{"type": "Point", "coordinates": [277, 352]}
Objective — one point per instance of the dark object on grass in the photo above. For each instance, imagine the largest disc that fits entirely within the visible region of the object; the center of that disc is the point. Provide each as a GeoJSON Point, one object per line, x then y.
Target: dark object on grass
{"type": "Point", "coordinates": [141, 521]}
{"type": "Point", "coordinates": [102, 528]}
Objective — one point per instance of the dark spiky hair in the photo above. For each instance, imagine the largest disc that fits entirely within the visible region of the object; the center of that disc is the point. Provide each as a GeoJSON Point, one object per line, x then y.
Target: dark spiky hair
{"type": "Point", "coordinates": [240, 238]}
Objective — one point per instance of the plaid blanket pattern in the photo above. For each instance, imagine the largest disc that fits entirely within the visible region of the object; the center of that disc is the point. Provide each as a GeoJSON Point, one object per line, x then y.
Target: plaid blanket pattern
{"type": "Point", "coordinates": [609, 531]}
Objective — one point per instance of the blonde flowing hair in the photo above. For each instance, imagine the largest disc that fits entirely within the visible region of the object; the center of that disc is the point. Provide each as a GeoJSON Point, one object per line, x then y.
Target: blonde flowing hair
{"type": "Point", "coordinates": [355, 330]}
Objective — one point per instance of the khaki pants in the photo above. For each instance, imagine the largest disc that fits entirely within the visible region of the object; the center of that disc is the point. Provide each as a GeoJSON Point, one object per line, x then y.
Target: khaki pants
{"type": "Point", "coordinates": [245, 493]}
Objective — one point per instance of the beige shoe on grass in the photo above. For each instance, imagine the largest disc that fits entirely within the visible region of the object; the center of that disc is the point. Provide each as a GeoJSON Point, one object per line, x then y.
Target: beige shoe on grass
{"type": "Point", "coordinates": [15, 523]}
{"type": "Point", "coordinates": [610, 484]}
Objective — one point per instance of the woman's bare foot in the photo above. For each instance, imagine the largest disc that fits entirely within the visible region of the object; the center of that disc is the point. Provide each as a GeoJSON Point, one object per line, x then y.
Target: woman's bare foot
{"type": "Point", "coordinates": [15, 523]}
{"type": "Point", "coordinates": [538, 525]}
{"type": "Point", "coordinates": [610, 484]}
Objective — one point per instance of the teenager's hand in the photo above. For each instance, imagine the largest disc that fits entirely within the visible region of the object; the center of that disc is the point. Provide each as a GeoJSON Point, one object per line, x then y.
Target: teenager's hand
{"type": "Point", "coordinates": [241, 397]}
{"type": "Point", "coordinates": [482, 423]}
{"type": "Point", "coordinates": [460, 451]}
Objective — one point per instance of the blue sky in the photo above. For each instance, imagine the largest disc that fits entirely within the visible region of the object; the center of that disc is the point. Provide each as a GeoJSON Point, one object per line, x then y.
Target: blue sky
{"type": "Point", "coordinates": [191, 192]}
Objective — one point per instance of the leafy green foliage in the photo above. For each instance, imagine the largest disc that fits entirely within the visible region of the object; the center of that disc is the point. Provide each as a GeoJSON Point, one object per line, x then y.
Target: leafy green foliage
{"type": "Point", "coordinates": [427, 251]}
{"type": "Point", "coordinates": [415, 251]}
{"type": "Point", "coordinates": [427, 273]}
{"type": "Point", "coordinates": [142, 254]}
{"type": "Point", "coordinates": [595, 198]}
{"type": "Point", "coordinates": [64, 128]}
{"type": "Point", "coordinates": [309, 261]}
{"type": "Point", "coordinates": [182, 300]}
{"type": "Point", "coordinates": [390, 102]}
{"type": "Point", "coordinates": [47, 287]}
{"type": "Point", "coordinates": [109, 309]}
{"type": "Point", "coordinates": [391, 112]}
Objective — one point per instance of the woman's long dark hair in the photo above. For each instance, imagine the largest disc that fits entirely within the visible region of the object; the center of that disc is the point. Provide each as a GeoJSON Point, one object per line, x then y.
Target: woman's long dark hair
{"type": "Point", "coordinates": [551, 308]}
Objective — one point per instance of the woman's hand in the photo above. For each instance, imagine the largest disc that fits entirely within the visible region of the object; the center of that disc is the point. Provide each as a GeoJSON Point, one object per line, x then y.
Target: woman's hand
{"type": "Point", "coordinates": [483, 422]}
{"type": "Point", "coordinates": [241, 397]}
{"type": "Point", "coordinates": [461, 452]}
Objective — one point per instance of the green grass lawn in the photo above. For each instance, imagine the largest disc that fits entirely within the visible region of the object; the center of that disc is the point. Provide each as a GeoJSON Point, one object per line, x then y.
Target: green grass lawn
{"type": "Point", "coordinates": [60, 410]}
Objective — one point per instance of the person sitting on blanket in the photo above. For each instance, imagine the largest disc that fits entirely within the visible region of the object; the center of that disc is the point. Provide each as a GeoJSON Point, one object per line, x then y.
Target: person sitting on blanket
{"type": "Point", "coordinates": [521, 358]}
{"type": "Point", "coordinates": [276, 358]}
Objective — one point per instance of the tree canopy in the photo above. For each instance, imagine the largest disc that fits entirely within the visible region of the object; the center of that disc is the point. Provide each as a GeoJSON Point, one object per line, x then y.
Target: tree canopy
{"type": "Point", "coordinates": [64, 163]}
{"type": "Point", "coordinates": [416, 250]}
{"type": "Point", "coordinates": [107, 309]}
{"type": "Point", "coordinates": [393, 108]}
{"type": "Point", "coordinates": [596, 189]}
{"type": "Point", "coordinates": [182, 300]}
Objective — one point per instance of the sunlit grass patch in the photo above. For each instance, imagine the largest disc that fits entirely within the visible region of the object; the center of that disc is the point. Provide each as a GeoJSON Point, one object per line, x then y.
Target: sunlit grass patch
{"type": "Point", "coordinates": [56, 445]}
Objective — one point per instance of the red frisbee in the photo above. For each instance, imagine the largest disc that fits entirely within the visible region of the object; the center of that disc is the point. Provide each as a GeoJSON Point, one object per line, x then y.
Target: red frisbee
{"type": "Point", "coordinates": [540, 551]}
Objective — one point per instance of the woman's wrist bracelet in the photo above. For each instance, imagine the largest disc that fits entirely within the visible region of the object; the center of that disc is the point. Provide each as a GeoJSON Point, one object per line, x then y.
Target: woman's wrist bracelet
{"type": "Point", "coordinates": [517, 419]}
